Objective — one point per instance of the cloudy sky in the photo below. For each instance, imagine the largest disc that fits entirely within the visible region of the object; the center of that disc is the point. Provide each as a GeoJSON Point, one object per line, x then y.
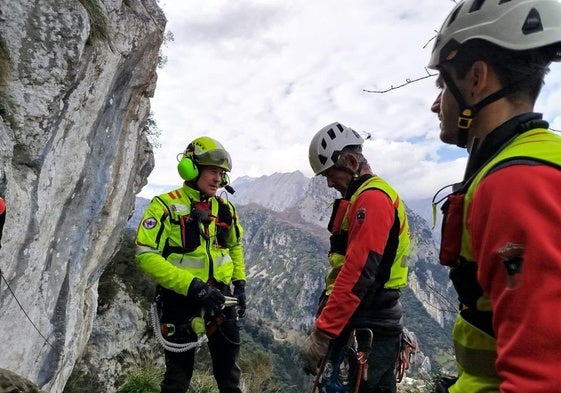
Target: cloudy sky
{"type": "Point", "coordinates": [264, 76]}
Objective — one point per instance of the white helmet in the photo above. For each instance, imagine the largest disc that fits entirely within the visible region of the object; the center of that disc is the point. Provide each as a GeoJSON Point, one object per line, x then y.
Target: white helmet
{"type": "Point", "coordinates": [515, 25]}
{"type": "Point", "coordinates": [327, 144]}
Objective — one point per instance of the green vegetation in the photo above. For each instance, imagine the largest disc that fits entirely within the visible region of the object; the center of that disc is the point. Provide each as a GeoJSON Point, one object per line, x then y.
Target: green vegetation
{"type": "Point", "coordinates": [152, 131]}
{"type": "Point", "coordinates": [434, 341]}
{"type": "Point", "coordinates": [83, 381]}
{"type": "Point", "coordinates": [142, 380]}
{"type": "Point", "coordinates": [162, 59]}
{"type": "Point", "coordinates": [123, 269]}
{"type": "Point", "coordinates": [143, 373]}
{"type": "Point", "coordinates": [4, 62]}
{"type": "Point", "coordinates": [99, 24]}
{"type": "Point", "coordinates": [5, 69]}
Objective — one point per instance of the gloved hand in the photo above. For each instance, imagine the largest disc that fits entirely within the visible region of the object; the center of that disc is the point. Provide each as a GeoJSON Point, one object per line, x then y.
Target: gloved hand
{"type": "Point", "coordinates": [207, 296]}
{"type": "Point", "coordinates": [315, 348]}
{"type": "Point", "coordinates": [239, 293]}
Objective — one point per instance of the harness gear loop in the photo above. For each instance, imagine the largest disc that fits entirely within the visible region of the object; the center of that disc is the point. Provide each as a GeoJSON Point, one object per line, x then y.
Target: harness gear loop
{"type": "Point", "coordinates": [364, 337]}
{"type": "Point", "coordinates": [408, 349]}
{"type": "Point", "coordinates": [344, 371]}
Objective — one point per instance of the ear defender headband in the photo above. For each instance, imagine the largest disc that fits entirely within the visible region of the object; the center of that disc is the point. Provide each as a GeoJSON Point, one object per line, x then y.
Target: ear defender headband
{"type": "Point", "coordinates": [224, 179]}
{"type": "Point", "coordinates": [188, 170]}
{"type": "Point", "coordinates": [186, 167]}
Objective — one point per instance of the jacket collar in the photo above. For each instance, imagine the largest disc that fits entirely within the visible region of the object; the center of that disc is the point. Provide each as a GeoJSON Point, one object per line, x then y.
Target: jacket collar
{"type": "Point", "coordinates": [355, 185]}
{"type": "Point", "coordinates": [497, 139]}
{"type": "Point", "coordinates": [193, 194]}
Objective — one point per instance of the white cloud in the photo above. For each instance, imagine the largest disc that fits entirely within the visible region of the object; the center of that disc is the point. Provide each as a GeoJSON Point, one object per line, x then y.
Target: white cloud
{"type": "Point", "coordinates": [263, 76]}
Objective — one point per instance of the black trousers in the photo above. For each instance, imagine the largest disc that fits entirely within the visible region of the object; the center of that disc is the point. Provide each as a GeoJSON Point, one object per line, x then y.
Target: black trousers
{"type": "Point", "coordinates": [381, 365]}
{"type": "Point", "coordinates": [224, 351]}
{"type": "Point", "coordinates": [382, 359]}
{"type": "Point", "coordinates": [223, 344]}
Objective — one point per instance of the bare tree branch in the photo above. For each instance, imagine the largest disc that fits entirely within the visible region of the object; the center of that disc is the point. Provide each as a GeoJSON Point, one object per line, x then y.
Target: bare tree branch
{"type": "Point", "coordinates": [407, 82]}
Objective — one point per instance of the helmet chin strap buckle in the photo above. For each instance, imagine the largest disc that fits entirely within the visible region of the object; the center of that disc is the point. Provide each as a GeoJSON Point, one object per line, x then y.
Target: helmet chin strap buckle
{"type": "Point", "coordinates": [464, 123]}
{"type": "Point", "coordinates": [465, 119]}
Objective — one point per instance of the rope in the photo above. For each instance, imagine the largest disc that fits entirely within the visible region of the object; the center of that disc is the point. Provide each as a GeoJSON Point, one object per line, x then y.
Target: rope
{"type": "Point", "coordinates": [24, 312]}
{"type": "Point", "coordinates": [168, 345]}
{"type": "Point", "coordinates": [182, 347]}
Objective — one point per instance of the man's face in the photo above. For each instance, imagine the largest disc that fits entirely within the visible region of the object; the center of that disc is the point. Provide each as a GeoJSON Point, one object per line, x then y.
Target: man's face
{"type": "Point", "coordinates": [209, 180]}
{"type": "Point", "coordinates": [446, 107]}
{"type": "Point", "coordinates": [337, 178]}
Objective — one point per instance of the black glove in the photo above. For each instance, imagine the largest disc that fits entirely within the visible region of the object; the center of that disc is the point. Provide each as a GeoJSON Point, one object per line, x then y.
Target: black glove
{"type": "Point", "coordinates": [210, 298]}
{"type": "Point", "coordinates": [239, 293]}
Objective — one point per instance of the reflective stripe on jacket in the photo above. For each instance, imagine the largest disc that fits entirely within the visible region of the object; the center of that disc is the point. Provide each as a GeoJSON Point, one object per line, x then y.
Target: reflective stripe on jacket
{"type": "Point", "coordinates": [181, 237]}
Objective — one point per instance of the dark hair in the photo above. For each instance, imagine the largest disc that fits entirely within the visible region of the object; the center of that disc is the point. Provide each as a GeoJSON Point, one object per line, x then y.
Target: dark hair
{"type": "Point", "coordinates": [526, 69]}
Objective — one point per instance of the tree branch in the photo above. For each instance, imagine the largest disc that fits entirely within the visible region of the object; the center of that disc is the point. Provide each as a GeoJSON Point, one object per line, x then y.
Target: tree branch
{"type": "Point", "coordinates": [407, 82]}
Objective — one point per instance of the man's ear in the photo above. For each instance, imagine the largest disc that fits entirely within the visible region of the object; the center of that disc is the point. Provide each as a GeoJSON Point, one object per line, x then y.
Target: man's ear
{"type": "Point", "coordinates": [480, 81]}
{"type": "Point", "coordinates": [351, 161]}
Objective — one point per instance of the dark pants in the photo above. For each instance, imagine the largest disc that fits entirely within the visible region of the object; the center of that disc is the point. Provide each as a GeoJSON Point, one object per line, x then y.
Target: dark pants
{"type": "Point", "coordinates": [381, 365]}
{"type": "Point", "coordinates": [223, 344]}
{"type": "Point", "coordinates": [381, 362]}
{"type": "Point", "coordinates": [442, 385]}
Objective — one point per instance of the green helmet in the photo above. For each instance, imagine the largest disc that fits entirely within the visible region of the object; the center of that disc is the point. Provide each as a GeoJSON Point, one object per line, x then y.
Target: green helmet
{"type": "Point", "coordinates": [207, 151]}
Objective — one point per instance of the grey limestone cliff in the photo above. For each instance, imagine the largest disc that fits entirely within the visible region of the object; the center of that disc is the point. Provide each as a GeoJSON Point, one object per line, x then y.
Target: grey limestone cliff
{"type": "Point", "coordinates": [75, 81]}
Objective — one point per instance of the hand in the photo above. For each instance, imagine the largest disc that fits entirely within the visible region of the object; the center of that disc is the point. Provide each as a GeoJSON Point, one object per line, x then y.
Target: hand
{"type": "Point", "coordinates": [210, 298]}
{"type": "Point", "coordinates": [315, 348]}
{"type": "Point", "coordinates": [239, 293]}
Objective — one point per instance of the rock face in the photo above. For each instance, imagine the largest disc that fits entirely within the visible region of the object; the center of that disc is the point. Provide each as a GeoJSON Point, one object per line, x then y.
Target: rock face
{"type": "Point", "coordinates": [11, 382]}
{"type": "Point", "coordinates": [75, 82]}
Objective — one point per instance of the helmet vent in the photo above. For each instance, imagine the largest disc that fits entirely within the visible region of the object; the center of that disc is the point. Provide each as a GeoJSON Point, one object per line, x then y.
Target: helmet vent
{"type": "Point", "coordinates": [533, 22]}
{"type": "Point", "coordinates": [331, 133]}
{"type": "Point", "coordinates": [504, 1]}
{"type": "Point", "coordinates": [476, 6]}
{"type": "Point", "coordinates": [455, 14]}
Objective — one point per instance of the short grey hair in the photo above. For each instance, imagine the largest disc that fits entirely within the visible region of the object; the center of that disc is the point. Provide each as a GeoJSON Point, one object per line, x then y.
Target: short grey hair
{"type": "Point", "coordinates": [355, 150]}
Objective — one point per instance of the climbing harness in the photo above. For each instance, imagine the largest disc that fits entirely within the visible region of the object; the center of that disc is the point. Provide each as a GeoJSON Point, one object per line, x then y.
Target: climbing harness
{"type": "Point", "coordinates": [343, 369]}
{"type": "Point", "coordinates": [197, 325]}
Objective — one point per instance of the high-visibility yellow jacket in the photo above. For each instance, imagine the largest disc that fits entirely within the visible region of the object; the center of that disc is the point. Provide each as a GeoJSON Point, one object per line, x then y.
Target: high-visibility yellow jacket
{"type": "Point", "coordinates": [369, 248]}
{"type": "Point", "coordinates": [475, 345]}
{"type": "Point", "coordinates": [398, 276]}
{"type": "Point", "coordinates": [182, 237]}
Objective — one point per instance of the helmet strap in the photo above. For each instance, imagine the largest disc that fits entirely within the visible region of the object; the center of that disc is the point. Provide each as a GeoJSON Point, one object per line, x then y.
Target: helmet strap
{"type": "Point", "coordinates": [467, 113]}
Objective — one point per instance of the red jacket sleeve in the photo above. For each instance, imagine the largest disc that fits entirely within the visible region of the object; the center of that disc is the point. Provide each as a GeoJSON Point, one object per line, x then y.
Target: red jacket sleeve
{"type": "Point", "coordinates": [515, 224]}
{"type": "Point", "coordinates": [371, 217]}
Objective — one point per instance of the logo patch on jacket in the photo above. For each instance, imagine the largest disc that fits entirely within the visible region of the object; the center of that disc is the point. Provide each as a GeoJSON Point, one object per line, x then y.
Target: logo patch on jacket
{"type": "Point", "coordinates": [360, 215]}
{"type": "Point", "coordinates": [179, 208]}
{"type": "Point", "coordinates": [149, 223]}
